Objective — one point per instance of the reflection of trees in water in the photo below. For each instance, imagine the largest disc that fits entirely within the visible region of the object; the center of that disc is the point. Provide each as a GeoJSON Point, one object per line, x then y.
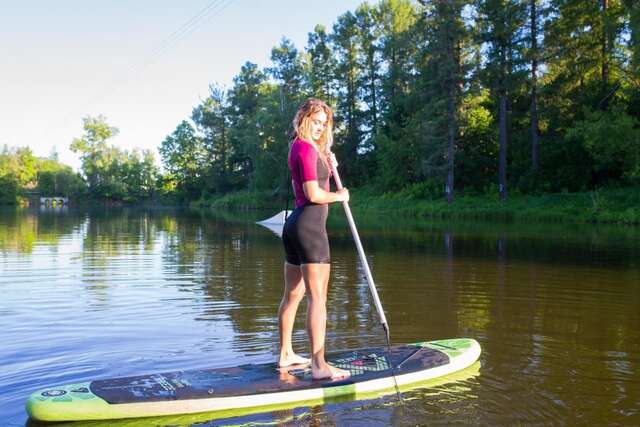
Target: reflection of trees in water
{"type": "Point", "coordinates": [23, 229]}
{"type": "Point", "coordinates": [582, 244]}
{"type": "Point", "coordinates": [236, 274]}
{"type": "Point", "coordinates": [119, 232]}
{"type": "Point", "coordinates": [351, 314]}
{"type": "Point", "coordinates": [495, 286]}
{"type": "Point", "coordinates": [114, 241]}
{"type": "Point", "coordinates": [239, 267]}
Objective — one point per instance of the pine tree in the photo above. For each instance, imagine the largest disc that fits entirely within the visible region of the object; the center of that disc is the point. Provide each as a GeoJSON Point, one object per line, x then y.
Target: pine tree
{"type": "Point", "coordinates": [369, 61]}
{"type": "Point", "coordinates": [287, 69]}
{"type": "Point", "coordinates": [211, 118]}
{"type": "Point", "coordinates": [344, 41]}
{"type": "Point", "coordinates": [445, 49]}
{"type": "Point", "coordinates": [244, 139]}
{"type": "Point", "coordinates": [320, 65]}
{"type": "Point", "coordinates": [499, 25]}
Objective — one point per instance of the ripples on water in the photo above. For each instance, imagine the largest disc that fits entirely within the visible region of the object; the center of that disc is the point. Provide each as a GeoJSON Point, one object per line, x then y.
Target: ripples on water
{"type": "Point", "coordinates": [102, 294]}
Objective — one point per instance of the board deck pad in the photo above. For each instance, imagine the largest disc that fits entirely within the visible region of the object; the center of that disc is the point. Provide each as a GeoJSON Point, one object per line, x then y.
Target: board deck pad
{"type": "Point", "coordinates": [250, 385]}
{"type": "Point", "coordinates": [263, 378]}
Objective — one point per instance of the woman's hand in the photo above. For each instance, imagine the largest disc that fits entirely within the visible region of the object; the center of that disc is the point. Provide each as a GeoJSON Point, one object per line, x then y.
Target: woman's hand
{"type": "Point", "coordinates": [343, 194]}
{"type": "Point", "coordinates": [315, 194]}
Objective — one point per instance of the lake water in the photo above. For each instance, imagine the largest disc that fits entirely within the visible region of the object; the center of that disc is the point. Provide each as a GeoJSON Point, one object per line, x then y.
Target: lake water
{"type": "Point", "coordinates": [118, 292]}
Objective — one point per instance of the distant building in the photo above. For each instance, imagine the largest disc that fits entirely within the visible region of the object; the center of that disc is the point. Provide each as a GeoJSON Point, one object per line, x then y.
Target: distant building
{"type": "Point", "coordinates": [54, 201]}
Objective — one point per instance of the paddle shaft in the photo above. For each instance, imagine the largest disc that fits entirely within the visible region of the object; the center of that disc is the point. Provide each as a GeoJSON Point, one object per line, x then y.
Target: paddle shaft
{"type": "Point", "coordinates": [363, 258]}
{"type": "Point", "coordinates": [367, 272]}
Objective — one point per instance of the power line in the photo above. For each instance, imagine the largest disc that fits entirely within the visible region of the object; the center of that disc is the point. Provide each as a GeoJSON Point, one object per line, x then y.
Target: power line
{"type": "Point", "coordinates": [212, 9]}
{"type": "Point", "coordinates": [184, 26]}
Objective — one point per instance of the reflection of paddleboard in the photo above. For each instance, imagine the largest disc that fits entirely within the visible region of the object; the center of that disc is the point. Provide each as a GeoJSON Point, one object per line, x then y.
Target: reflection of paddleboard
{"type": "Point", "coordinates": [250, 386]}
{"type": "Point", "coordinates": [276, 222]}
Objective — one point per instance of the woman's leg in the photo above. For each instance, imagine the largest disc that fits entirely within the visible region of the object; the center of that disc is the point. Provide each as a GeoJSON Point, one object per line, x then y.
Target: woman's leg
{"type": "Point", "coordinates": [293, 294]}
{"type": "Point", "coordinates": [316, 279]}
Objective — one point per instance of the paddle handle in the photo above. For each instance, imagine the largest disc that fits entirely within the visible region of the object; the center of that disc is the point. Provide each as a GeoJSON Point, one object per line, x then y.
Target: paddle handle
{"type": "Point", "coordinates": [363, 258]}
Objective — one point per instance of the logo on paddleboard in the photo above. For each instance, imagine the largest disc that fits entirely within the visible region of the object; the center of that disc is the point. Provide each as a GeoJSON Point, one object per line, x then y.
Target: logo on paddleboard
{"type": "Point", "coordinates": [54, 393]}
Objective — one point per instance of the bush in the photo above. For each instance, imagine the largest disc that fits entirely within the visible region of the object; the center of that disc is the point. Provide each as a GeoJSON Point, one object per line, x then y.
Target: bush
{"type": "Point", "coordinates": [9, 190]}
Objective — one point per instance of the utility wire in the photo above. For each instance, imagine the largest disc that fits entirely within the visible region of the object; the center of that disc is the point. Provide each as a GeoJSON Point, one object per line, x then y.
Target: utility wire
{"type": "Point", "coordinates": [212, 9]}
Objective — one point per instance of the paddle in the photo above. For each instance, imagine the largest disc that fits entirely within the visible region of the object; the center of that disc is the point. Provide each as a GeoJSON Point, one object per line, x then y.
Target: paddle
{"type": "Point", "coordinates": [365, 264]}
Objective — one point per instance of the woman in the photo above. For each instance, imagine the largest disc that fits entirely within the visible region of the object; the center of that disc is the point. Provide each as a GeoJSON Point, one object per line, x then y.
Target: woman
{"type": "Point", "coordinates": [307, 261]}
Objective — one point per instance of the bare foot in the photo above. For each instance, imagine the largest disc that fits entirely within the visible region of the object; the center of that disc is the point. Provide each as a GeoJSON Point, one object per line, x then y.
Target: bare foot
{"type": "Point", "coordinates": [292, 359]}
{"type": "Point", "coordinates": [328, 371]}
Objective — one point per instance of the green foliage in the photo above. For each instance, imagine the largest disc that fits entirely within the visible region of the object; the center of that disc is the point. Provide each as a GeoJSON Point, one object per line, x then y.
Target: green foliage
{"type": "Point", "coordinates": [428, 93]}
{"type": "Point", "coordinates": [397, 163]}
{"type": "Point", "coordinates": [20, 164]}
{"type": "Point", "coordinates": [348, 113]}
{"type": "Point", "coordinates": [211, 118]}
{"type": "Point", "coordinates": [184, 157]}
{"type": "Point", "coordinates": [21, 172]}
{"type": "Point", "coordinates": [112, 173]}
{"type": "Point", "coordinates": [94, 152]}
{"type": "Point", "coordinates": [478, 148]}
{"type": "Point", "coordinates": [320, 64]}
{"type": "Point", "coordinates": [244, 137]}
{"type": "Point", "coordinates": [612, 139]}
{"type": "Point", "coordinates": [603, 206]}
{"type": "Point", "coordinates": [426, 190]}
{"type": "Point", "coordinates": [287, 68]}
{"type": "Point", "coordinates": [9, 190]}
{"type": "Point", "coordinates": [241, 200]}
{"type": "Point", "coordinates": [56, 179]}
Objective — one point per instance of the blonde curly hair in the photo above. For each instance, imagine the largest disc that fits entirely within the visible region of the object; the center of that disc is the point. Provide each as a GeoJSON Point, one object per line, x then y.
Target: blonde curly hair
{"type": "Point", "coordinates": [302, 123]}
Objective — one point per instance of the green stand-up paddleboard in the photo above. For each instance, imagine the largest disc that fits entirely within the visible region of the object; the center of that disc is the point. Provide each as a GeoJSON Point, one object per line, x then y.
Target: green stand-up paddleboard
{"type": "Point", "coordinates": [250, 386]}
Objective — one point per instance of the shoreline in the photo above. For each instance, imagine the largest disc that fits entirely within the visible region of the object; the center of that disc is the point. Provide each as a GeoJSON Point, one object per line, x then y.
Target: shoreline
{"type": "Point", "coordinates": [604, 206]}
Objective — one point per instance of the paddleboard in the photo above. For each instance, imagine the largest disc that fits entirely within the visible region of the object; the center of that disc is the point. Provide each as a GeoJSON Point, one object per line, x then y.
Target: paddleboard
{"type": "Point", "coordinates": [250, 386]}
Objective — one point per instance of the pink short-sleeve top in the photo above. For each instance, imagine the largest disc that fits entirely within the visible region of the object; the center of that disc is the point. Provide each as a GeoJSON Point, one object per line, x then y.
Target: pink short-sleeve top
{"type": "Point", "coordinates": [305, 165]}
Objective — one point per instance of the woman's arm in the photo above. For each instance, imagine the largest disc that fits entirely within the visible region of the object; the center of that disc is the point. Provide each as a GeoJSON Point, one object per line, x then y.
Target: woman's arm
{"type": "Point", "coordinates": [315, 194]}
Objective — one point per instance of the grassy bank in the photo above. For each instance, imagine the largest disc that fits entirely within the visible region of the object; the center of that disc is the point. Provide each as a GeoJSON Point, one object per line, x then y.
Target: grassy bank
{"type": "Point", "coordinates": [602, 206]}
{"type": "Point", "coordinates": [242, 200]}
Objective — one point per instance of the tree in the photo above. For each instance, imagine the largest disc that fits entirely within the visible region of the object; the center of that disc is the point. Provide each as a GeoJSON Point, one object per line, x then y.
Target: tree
{"type": "Point", "coordinates": [584, 61]}
{"type": "Point", "coordinates": [344, 40]}
{"type": "Point", "coordinates": [633, 11]}
{"type": "Point", "coordinates": [534, 58]}
{"type": "Point", "coordinates": [445, 78]}
{"type": "Point", "coordinates": [499, 25]}
{"type": "Point", "coordinates": [369, 61]}
{"type": "Point", "coordinates": [399, 51]}
{"type": "Point", "coordinates": [18, 170]}
{"type": "Point", "coordinates": [138, 173]}
{"type": "Point", "coordinates": [288, 70]}
{"type": "Point", "coordinates": [244, 100]}
{"type": "Point", "coordinates": [612, 139]}
{"type": "Point", "coordinates": [400, 139]}
{"type": "Point", "coordinates": [211, 118]}
{"type": "Point", "coordinates": [94, 152]}
{"type": "Point", "coordinates": [320, 65]}
{"type": "Point", "coordinates": [57, 179]}
{"type": "Point", "coordinates": [183, 157]}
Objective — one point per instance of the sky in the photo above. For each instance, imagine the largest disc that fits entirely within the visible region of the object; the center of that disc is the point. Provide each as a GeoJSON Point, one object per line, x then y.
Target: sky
{"type": "Point", "coordinates": [143, 64]}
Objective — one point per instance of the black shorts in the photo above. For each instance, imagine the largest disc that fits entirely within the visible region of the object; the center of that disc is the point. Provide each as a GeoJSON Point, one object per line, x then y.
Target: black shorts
{"type": "Point", "coordinates": [305, 236]}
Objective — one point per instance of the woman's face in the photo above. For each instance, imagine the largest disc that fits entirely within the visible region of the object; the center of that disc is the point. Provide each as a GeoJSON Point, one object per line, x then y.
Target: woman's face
{"type": "Point", "coordinates": [318, 125]}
